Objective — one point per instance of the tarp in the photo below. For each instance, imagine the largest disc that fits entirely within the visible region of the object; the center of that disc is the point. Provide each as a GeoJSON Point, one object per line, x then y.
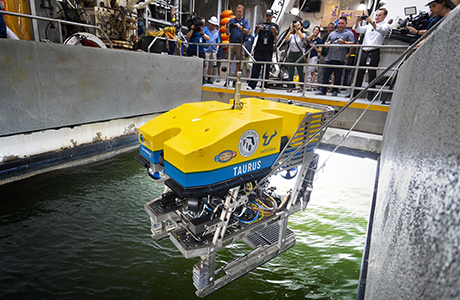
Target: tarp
{"type": "Point", "coordinates": [20, 26]}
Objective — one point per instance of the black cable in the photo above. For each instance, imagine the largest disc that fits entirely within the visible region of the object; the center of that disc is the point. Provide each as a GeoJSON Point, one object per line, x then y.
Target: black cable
{"type": "Point", "coordinates": [365, 260]}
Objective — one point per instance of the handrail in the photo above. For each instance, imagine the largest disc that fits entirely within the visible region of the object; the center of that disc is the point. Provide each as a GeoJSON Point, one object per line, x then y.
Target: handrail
{"type": "Point", "coordinates": [155, 39]}
{"type": "Point", "coordinates": [229, 45]}
{"type": "Point", "coordinates": [355, 67]}
{"type": "Point", "coordinates": [59, 21]}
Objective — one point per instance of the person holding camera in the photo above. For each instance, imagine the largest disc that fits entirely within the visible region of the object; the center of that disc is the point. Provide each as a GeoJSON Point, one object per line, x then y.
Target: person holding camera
{"type": "Point", "coordinates": [263, 51]}
{"type": "Point", "coordinates": [374, 34]}
{"type": "Point", "coordinates": [236, 28]}
{"type": "Point", "coordinates": [197, 35]}
{"type": "Point", "coordinates": [295, 38]}
{"type": "Point", "coordinates": [438, 9]}
{"type": "Point", "coordinates": [336, 55]}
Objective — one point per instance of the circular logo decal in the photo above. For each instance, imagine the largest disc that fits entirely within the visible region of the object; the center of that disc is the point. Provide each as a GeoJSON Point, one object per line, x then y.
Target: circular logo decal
{"type": "Point", "coordinates": [142, 138]}
{"type": "Point", "coordinates": [248, 143]}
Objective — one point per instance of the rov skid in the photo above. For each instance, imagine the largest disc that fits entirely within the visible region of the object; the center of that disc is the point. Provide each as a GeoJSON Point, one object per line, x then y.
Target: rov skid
{"type": "Point", "coordinates": [216, 161]}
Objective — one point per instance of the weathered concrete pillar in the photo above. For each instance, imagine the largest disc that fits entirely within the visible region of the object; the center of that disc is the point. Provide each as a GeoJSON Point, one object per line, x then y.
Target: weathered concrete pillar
{"type": "Point", "coordinates": [415, 247]}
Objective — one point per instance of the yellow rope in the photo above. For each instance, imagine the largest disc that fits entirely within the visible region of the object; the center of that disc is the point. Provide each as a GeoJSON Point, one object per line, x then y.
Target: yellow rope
{"type": "Point", "coordinates": [168, 32]}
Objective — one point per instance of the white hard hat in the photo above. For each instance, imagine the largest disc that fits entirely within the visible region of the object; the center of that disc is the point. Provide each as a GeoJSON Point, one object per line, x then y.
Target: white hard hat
{"type": "Point", "coordinates": [213, 21]}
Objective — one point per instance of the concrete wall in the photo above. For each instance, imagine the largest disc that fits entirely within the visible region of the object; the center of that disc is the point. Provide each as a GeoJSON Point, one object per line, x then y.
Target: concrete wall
{"type": "Point", "coordinates": [51, 86]}
{"type": "Point", "coordinates": [59, 103]}
{"type": "Point", "coordinates": [415, 246]}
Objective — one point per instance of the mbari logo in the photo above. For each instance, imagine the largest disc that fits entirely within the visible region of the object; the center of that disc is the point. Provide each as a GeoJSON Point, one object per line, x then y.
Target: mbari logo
{"type": "Point", "coordinates": [248, 143]}
{"type": "Point", "coordinates": [268, 139]}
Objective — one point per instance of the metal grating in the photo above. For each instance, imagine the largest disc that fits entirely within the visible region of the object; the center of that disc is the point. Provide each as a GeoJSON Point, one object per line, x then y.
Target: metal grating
{"type": "Point", "coordinates": [307, 129]}
{"type": "Point", "coordinates": [267, 236]}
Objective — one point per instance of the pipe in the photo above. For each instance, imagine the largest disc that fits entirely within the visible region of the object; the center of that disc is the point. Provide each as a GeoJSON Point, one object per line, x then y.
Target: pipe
{"type": "Point", "coordinates": [365, 261]}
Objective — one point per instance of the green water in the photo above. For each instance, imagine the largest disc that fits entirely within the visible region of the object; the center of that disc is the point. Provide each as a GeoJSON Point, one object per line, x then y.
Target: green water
{"type": "Point", "coordinates": [83, 233]}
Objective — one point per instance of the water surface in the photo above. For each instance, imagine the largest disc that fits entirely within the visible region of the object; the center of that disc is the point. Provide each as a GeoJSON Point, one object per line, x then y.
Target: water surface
{"type": "Point", "coordinates": [83, 233]}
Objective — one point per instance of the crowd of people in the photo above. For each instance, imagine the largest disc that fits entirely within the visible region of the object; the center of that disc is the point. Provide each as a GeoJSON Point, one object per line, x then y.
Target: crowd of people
{"type": "Point", "coordinates": [313, 49]}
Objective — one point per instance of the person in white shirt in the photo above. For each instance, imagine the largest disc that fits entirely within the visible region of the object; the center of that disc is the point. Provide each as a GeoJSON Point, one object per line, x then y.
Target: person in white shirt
{"type": "Point", "coordinates": [374, 34]}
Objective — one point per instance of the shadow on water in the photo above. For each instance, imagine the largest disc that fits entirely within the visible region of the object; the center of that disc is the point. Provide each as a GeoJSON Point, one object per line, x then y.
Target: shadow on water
{"type": "Point", "coordinates": [83, 232]}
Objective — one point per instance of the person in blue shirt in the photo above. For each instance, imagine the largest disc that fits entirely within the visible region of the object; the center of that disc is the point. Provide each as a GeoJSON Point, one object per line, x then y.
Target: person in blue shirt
{"type": "Point", "coordinates": [3, 33]}
{"type": "Point", "coordinates": [197, 35]}
{"type": "Point", "coordinates": [210, 51]}
{"type": "Point", "coordinates": [236, 29]}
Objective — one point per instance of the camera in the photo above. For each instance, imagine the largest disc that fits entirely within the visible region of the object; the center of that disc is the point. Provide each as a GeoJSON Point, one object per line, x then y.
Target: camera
{"type": "Point", "coordinates": [265, 27]}
{"type": "Point", "coordinates": [419, 22]}
{"type": "Point", "coordinates": [198, 24]}
{"type": "Point", "coordinates": [231, 25]}
{"type": "Point", "coordinates": [195, 21]}
{"type": "Point", "coordinates": [363, 17]}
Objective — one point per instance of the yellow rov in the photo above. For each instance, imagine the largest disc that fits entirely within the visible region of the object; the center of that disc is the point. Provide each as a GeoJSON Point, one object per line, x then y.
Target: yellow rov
{"type": "Point", "coordinates": [216, 160]}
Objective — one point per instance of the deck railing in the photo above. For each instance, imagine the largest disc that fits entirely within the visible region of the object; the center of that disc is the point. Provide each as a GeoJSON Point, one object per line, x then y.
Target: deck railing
{"type": "Point", "coordinates": [228, 77]}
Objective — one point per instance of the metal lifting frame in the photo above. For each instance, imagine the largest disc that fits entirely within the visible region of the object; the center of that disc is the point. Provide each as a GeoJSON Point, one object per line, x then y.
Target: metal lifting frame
{"type": "Point", "coordinates": [273, 237]}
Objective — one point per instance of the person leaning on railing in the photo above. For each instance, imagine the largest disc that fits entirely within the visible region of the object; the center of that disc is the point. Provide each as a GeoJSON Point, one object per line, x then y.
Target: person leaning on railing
{"type": "Point", "coordinates": [336, 55]}
{"type": "Point", "coordinates": [374, 34]}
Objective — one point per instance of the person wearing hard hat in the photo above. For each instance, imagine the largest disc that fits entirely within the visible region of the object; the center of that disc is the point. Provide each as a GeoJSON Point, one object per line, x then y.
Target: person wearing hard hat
{"type": "Point", "coordinates": [210, 51]}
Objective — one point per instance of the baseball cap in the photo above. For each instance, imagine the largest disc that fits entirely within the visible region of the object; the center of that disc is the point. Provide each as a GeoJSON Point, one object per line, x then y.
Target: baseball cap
{"type": "Point", "coordinates": [269, 12]}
